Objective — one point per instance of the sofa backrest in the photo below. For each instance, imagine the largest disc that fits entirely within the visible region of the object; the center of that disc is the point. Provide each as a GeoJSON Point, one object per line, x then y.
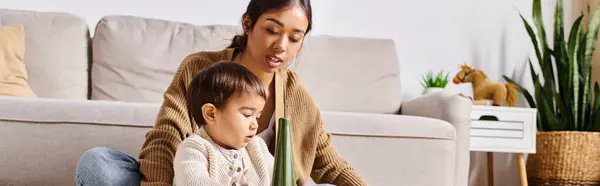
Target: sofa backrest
{"type": "Point", "coordinates": [350, 74]}
{"type": "Point", "coordinates": [56, 52]}
{"type": "Point", "coordinates": [134, 59]}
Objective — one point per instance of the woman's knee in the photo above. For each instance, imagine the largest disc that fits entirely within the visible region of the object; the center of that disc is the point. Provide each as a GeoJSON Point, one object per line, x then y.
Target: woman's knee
{"type": "Point", "coordinates": [104, 166]}
{"type": "Point", "coordinates": [93, 154]}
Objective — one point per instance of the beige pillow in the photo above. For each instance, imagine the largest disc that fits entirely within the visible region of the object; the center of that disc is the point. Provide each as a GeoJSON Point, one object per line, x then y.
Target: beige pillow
{"type": "Point", "coordinates": [13, 74]}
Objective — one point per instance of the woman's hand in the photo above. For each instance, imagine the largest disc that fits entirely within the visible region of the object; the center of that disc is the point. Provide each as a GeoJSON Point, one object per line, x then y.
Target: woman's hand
{"type": "Point", "coordinates": [310, 182]}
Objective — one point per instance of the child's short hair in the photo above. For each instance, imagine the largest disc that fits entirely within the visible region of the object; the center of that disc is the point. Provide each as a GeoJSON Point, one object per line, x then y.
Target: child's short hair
{"type": "Point", "coordinates": [216, 84]}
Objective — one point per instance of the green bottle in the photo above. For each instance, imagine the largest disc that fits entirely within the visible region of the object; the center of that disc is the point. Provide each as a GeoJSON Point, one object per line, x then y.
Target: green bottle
{"type": "Point", "coordinates": [283, 170]}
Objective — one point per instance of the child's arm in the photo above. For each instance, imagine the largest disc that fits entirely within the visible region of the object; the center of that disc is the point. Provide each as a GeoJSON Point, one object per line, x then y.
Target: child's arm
{"type": "Point", "coordinates": [191, 165]}
{"type": "Point", "coordinates": [268, 157]}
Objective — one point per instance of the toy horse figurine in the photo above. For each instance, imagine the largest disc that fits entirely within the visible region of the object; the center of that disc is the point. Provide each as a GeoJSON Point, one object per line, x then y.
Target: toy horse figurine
{"type": "Point", "coordinates": [498, 93]}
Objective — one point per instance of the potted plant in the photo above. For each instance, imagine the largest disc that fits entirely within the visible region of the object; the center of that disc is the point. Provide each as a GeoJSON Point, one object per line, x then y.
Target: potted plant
{"type": "Point", "coordinates": [568, 107]}
{"type": "Point", "coordinates": [434, 82]}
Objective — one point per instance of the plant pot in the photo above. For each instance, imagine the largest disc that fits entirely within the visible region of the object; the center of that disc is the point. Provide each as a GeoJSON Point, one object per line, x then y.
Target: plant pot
{"type": "Point", "coordinates": [565, 158]}
{"type": "Point", "coordinates": [431, 89]}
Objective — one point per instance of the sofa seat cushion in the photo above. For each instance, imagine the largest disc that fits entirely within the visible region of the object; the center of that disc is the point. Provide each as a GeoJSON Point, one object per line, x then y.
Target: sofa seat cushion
{"type": "Point", "coordinates": [13, 74]}
{"type": "Point", "coordinates": [42, 139]}
{"type": "Point", "coordinates": [416, 150]}
{"type": "Point", "coordinates": [387, 125]}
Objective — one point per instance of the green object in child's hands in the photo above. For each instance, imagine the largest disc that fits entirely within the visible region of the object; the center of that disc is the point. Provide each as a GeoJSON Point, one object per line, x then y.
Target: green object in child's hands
{"type": "Point", "coordinates": [283, 171]}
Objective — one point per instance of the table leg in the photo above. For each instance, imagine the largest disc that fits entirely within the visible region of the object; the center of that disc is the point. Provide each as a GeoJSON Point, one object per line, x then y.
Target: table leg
{"type": "Point", "coordinates": [522, 169]}
{"type": "Point", "coordinates": [490, 163]}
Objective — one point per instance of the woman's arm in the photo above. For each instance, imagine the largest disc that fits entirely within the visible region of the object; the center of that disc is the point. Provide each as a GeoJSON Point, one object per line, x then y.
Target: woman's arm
{"type": "Point", "coordinates": [191, 165]}
{"type": "Point", "coordinates": [172, 124]}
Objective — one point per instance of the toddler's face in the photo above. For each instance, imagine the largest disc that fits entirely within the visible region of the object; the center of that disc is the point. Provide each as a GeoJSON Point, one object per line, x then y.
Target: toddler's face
{"type": "Point", "coordinates": [236, 123]}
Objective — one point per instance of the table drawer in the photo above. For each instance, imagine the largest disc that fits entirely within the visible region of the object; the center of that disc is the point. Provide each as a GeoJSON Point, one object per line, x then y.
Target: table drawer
{"type": "Point", "coordinates": [503, 129]}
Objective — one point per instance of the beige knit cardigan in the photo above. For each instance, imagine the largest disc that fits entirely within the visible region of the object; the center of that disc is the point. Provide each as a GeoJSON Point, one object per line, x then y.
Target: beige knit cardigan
{"type": "Point", "coordinates": [314, 154]}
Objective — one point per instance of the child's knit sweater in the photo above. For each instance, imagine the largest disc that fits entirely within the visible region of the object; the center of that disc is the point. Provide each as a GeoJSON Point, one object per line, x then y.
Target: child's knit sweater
{"type": "Point", "coordinates": [200, 161]}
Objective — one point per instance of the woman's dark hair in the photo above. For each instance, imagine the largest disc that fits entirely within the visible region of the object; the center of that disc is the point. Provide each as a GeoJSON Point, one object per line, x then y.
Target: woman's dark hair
{"type": "Point", "coordinates": [216, 84]}
{"type": "Point", "coordinates": [257, 7]}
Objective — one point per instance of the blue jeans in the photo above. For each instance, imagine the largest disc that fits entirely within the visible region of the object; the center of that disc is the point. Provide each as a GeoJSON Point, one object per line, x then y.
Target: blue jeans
{"type": "Point", "coordinates": [104, 166]}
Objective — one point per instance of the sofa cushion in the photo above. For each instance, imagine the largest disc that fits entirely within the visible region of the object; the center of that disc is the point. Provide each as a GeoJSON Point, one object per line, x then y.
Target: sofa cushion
{"type": "Point", "coordinates": [13, 74]}
{"type": "Point", "coordinates": [41, 140]}
{"type": "Point", "coordinates": [56, 52]}
{"type": "Point", "coordinates": [134, 59]}
{"type": "Point", "coordinates": [350, 74]}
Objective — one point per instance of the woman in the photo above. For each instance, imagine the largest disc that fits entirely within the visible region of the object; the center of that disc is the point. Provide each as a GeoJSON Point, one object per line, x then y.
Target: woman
{"type": "Point", "coordinates": [273, 34]}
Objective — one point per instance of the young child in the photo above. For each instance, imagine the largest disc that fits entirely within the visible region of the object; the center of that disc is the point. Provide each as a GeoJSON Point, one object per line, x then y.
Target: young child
{"type": "Point", "coordinates": [225, 101]}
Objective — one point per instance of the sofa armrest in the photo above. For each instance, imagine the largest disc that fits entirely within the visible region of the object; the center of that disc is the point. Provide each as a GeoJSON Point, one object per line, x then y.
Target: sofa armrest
{"type": "Point", "coordinates": [386, 125]}
{"type": "Point", "coordinates": [386, 149]}
{"type": "Point", "coordinates": [453, 108]}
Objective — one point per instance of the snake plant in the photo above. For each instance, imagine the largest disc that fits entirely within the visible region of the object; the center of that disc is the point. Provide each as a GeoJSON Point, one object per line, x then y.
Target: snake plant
{"type": "Point", "coordinates": [563, 97]}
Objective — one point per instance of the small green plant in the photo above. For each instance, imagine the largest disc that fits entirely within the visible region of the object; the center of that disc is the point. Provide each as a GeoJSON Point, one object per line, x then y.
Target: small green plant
{"type": "Point", "coordinates": [438, 80]}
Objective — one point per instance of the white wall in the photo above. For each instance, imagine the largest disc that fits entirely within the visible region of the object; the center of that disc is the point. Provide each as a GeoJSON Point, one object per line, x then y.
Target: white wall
{"type": "Point", "coordinates": [439, 34]}
{"type": "Point", "coordinates": [430, 35]}
{"type": "Point", "coordinates": [192, 11]}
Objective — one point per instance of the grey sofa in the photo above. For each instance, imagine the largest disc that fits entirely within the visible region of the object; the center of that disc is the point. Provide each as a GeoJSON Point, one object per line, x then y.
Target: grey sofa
{"type": "Point", "coordinates": [105, 89]}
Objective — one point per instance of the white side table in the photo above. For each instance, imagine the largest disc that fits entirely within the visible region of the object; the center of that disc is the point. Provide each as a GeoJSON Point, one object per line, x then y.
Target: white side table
{"type": "Point", "coordinates": [504, 129]}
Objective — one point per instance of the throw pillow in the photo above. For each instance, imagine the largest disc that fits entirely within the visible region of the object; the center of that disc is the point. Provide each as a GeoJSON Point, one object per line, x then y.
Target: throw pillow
{"type": "Point", "coordinates": [13, 74]}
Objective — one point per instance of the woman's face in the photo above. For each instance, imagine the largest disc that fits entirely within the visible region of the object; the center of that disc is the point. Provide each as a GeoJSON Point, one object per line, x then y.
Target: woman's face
{"type": "Point", "coordinates": [276, 38]}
